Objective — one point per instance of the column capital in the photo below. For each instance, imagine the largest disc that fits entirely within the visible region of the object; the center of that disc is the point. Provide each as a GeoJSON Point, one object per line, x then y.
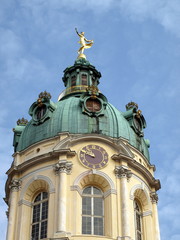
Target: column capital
{"type": "Point", "coordinates": [122, 172]}
{"type": "Point", "coordinates": [154, 197]}
{"type": "Point", "coordinates": [63, 167]}
{"type": "Point", "coordinates": [15, 185]}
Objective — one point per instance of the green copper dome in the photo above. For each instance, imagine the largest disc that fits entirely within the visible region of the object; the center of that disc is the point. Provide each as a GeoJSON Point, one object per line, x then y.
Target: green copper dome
{"type": "Point", "coordinates": [82, 109]}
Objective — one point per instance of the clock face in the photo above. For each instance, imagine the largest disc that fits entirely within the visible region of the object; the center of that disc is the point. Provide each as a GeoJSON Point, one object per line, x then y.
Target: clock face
{"type": "Point", "coordinates": [93, 156]}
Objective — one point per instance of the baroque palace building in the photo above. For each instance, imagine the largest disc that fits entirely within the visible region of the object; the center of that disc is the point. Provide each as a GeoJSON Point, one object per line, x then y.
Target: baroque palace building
{"type": "Point", "coordinates": [81, 168]}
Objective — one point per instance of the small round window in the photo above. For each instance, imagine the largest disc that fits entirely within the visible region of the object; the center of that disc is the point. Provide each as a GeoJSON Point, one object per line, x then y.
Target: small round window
{"type": "Point", "coordinates": [93, 105]}
{"type": "Point", "coordinates": [40, 112]}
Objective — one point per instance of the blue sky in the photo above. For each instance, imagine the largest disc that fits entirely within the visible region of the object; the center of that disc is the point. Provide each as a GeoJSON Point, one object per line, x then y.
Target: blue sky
{"type": "Point", "coordinates": [137, 50]}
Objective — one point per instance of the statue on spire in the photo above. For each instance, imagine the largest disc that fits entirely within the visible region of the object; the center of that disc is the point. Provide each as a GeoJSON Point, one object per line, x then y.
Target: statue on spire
{"type": "Point", "coordinates": [84, 44]}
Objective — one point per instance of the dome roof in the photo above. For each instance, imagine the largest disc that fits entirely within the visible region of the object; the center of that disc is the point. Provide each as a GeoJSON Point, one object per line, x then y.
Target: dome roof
{"type": "Point", "coordinates": [80, 112]}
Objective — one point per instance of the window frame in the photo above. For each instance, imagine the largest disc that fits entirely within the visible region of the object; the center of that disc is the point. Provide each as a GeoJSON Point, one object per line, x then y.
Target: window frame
{"type": "Point", "coordinates": [40, 221]}
{"type": "Point", "coordinates": [92, 216]}
{"type": "Point", "coordinates": [138, 212]}
{"type": "Point", "coordinates": [73, 80]}
{"type": "Point", "coordinates": [84, 79]}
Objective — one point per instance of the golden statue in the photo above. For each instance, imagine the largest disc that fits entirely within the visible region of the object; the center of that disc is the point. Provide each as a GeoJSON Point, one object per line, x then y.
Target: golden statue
{"type": "Point", "coordinates": [83, 41]}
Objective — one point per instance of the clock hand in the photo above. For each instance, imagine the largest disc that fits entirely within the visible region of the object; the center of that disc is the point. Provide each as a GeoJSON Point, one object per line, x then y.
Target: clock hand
{"type": "Point", "coordinates": [88, 153]}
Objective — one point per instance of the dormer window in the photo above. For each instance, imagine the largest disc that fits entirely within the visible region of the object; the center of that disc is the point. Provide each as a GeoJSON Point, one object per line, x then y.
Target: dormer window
{"type": "Point", "coordinates": [40, 112]}
{"type": "Point", "coordinates": [93, 105]}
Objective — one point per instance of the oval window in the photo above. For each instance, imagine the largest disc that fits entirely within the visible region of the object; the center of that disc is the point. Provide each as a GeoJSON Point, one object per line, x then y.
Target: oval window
{"type": "Point", "coordinates": [93, 105]}
{"type": "Point", "coordinates": [40, 112]}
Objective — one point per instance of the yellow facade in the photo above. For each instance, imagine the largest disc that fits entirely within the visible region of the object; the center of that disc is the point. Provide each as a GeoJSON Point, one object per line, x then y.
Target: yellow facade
{"type": "Point", "coordinates": [54, 166]}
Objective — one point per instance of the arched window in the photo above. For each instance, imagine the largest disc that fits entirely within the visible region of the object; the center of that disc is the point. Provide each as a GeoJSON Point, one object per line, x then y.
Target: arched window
{"type": "Point", "coordinates": [138, 221]}
{"type": "Point", "coordinates": [73, 81]}
{"type": "Point", "coordinates": [84, 79]}
{"type": "Point", "coordinates": [92, 211]}
{"type": "Point", "coordinates": [40, 216]}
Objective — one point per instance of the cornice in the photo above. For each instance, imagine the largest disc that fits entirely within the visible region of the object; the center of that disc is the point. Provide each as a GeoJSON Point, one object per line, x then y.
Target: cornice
{"type": "Point", "coordinates": [39, 159]}
{"type": "Point", "coordinates": [140, 168]}
{"type": "Point", "coordinates": [15, 170]}
{"type": "Point", "coordinates": [34, 145]}
{"type": "Point", "coordinates": [116, 143]}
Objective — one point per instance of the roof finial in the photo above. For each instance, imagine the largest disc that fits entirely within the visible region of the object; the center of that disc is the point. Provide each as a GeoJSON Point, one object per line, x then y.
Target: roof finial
{"type": "Point", "coordinates": [131, 105]}
{"type": "Point", "coordinates": [83, 42]}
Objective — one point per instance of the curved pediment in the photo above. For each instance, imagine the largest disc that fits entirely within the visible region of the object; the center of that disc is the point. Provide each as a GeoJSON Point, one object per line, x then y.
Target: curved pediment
{"type": "Point", "coordinates": [72, 140]}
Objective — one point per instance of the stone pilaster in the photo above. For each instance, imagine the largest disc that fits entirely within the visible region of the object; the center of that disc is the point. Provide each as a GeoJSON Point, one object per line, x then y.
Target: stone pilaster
{"type": "Point", "coordinates": [14, 185]}
{"type": "Point", "coordinates": [154, 200]}
{"type": "Point", "coordinates": [124, 174]}
{"type": "Point", "coordinates": [62, 168]}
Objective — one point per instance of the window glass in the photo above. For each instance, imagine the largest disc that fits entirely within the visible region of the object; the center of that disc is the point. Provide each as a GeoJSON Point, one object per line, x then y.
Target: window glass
{"type": "Point", "coordinates": [98, 226]}
{"type": "Point", "coordinates": [96, 191]}
{"type": "Point", "coordinates": [93, 105]}
{"type": "Point", "coordinates": [38, 198]}
{"type": "Point", "coordinates": [36, 213]}
{"type": "Point", "coordinates": [40, 217]}
{"type": "Point", "coordinates": [86, 225]}
{"type": "Point", "coordinates": [84, 79]}
{"type": "Point", "coordinates": [73, 81]}
{"type": "Point", "coordinates": [98, 206]}
{"type": "Point", "coordinates": [86, 206]}
{"type": "Point", "coordinates": [35, 231]}
{"type": "Point", "coordinates": [45, 195]}
{"type": "Point", "coordinates": [43, 229]}
{"type": "Point", "coordinates": [87, 190]}
{"type": "Point", "coordinates": [138, 221]}
{"type": "Point", "coordinates": [92, 211]}
{"type": "Point", "coordinates": [40, 112]}
{"type": "Point", "coordinates": [44, 210]}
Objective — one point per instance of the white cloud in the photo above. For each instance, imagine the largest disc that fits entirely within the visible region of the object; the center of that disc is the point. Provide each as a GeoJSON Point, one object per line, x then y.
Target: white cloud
{"type": "Point", "coordinates": [165, 12]}
{"type": "Point", "coordinates": [97, 6]}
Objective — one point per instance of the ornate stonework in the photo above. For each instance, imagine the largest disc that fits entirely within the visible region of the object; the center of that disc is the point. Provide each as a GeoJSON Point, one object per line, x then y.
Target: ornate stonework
{"type": "Point", "coordinates": [45, 95]}
{"type": "Point", "coordinates": [63, 166]}
{"type": "Point", "coordinates": [15, 184]}
{"type": "Point", "coordinates": [154, 197]}
{"type": "Point", "coordinates": [22, 122]}
{"type": "Point", "coordinates": [131, 105]}
{"type": "Point", "coordinates": [121, 172]}
{"type": "Point", "coordinates": [93, 90]}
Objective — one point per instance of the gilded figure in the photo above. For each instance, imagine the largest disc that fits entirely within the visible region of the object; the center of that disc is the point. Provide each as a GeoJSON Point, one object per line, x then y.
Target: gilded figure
{"type": "Point", "coordinates": [83, 42]}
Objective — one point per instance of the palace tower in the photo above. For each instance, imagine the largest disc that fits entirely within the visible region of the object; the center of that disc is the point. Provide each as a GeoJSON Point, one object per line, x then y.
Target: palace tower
{"type": "Point", "coordinates": [81, 168]}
